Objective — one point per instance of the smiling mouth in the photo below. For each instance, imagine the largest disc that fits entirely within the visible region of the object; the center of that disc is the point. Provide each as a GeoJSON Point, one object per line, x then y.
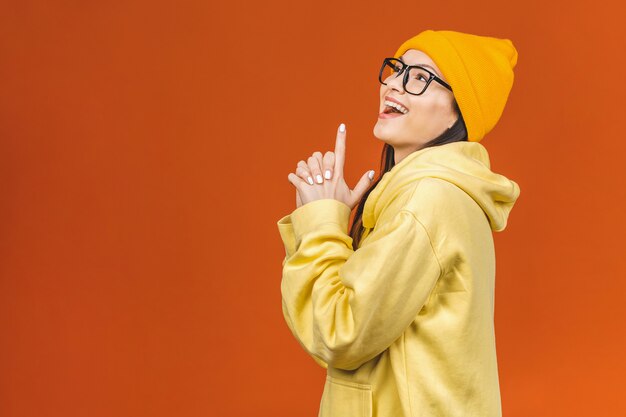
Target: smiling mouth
{"type": "Point", "coordinates": [392, 112]}
{"type": "Point", "coordinates": [389, 109]}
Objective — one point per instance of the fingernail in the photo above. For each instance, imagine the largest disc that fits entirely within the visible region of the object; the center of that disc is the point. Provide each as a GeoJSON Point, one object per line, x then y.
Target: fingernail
{"type": "Point", "coordinates": [319, 178]}
{"type": "Point", "coordinates": [342, 128]}
{"type": "Point", "coordinates": [310, 180]}
{"type": "Point", "coordinates": [327, 174]}
{"type": "Point", "coordinates": [371, 175]}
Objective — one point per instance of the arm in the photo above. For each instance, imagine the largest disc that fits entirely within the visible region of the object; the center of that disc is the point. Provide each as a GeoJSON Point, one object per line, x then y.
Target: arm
{"type": "Point", "coordinates": [285, 228]}
{"type": "Point", "coordinates": [345, 307]}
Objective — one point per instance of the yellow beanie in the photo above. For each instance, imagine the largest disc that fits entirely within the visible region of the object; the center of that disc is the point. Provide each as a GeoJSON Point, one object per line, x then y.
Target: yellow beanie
{"type": "Point", "coordinates": [478, 68]}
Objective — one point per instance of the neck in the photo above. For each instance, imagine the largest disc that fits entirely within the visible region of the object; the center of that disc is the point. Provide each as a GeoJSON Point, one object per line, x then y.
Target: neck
{"type": "Point", "coordinates": [400, 153]}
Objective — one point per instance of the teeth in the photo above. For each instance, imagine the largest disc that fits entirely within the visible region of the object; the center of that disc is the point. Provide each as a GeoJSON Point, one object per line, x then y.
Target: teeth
{"type": "Point", "coordinates": [397, 106]}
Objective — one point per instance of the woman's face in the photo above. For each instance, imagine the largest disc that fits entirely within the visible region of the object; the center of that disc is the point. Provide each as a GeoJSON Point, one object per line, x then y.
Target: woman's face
{"type": "Point", "coordinates": [429, 115]}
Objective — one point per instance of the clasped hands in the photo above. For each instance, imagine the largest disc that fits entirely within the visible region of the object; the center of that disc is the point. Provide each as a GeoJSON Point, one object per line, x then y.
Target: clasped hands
{"type": "Point", "coordinates": [321, 177]}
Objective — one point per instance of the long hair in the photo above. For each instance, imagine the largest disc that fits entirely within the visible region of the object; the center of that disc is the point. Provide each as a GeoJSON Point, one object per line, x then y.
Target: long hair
{"type": "Point", "coordinates": [457, 133]}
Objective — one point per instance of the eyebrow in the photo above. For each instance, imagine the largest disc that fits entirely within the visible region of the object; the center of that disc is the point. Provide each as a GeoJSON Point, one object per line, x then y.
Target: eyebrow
{"type": "Point", "coordinates": [424, 65]}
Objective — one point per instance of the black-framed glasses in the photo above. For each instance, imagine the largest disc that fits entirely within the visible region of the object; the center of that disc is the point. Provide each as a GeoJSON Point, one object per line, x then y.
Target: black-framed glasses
{"type": "Point", "coordinates": [416, 78]}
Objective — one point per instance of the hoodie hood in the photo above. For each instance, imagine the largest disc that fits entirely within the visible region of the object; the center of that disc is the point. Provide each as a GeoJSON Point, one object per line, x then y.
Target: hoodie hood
{"type": "Point", "coordinates": [464, 164]}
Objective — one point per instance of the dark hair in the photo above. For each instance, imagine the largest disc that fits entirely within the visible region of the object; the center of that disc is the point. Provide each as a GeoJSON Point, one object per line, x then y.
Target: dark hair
{"type": "Point", "coordinates": [456, 133]}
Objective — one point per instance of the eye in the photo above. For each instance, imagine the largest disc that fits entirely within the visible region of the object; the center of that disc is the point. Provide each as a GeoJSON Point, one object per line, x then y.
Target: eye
{"type": "Point", "coordinates": [419, 74]}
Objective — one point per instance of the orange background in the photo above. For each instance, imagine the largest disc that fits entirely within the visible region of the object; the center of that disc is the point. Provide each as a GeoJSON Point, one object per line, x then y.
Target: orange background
{"type": "Point", "coordinates": [145, 150]}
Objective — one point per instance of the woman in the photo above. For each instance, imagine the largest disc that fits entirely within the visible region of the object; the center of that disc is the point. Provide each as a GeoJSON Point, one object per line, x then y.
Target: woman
{"type": "Point", "coordinates": [400, 308]}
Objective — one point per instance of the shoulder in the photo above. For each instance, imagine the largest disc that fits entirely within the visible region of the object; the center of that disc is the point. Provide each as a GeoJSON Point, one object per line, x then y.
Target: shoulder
{"type": "Point", "coordinates": [431, 200]}
{"type": "Point", "coordinates": [439, 204]}
{"type": "Point", "coordinates": [432, 193]}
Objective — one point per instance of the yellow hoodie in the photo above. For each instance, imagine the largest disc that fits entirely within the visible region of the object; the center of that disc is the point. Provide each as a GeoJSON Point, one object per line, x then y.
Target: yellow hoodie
{"type": "Point", "coordinates": [404, 324]}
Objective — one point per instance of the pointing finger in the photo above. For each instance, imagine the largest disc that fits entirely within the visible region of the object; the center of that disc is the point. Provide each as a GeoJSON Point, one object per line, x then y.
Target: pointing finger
{"type": "Point", "coordinates": [340, 149]}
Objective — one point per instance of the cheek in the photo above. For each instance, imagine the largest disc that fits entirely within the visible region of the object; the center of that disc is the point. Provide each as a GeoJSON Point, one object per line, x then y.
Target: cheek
{"type": "Point", "coordinates": [424, 111]}
{"type": "Point", "coordinates": [419, 114]}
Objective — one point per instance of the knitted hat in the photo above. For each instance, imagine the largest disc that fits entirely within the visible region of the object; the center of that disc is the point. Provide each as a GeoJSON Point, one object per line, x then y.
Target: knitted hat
{"type": "Point", "coordinates": [478, 68]}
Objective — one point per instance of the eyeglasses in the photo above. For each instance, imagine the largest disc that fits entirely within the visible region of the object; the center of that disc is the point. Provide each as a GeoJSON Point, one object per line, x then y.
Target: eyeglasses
{"type": "Point", "coordinates": [416, 78]}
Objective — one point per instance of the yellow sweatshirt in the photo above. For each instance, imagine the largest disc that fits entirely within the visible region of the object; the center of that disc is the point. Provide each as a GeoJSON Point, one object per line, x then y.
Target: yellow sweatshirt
{"type": "Point", "coordinates": [404, 324]}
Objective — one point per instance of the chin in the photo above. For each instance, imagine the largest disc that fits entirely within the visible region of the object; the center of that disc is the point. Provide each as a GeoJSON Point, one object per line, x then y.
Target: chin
{"type": "Point", "coordinates": [384, 133]}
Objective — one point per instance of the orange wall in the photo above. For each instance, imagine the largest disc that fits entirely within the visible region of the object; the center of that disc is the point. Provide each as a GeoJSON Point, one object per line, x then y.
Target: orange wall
{"type": "Point", "coordinates": [145, 148]}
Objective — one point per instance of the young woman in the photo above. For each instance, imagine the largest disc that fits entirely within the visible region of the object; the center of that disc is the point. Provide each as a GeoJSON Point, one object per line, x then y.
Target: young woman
{"type": "Point", "coordinates": [399, 307]}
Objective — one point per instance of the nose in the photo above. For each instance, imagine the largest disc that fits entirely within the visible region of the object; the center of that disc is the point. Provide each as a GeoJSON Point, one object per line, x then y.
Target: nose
{"type": "Point", "coordinates": [395, 82]}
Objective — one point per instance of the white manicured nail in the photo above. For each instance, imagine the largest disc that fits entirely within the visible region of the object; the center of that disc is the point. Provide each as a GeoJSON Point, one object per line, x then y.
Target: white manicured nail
{"type": "Point", "coordinates": [371, 175]}
{"type": "Point", "coordinates": [342, 128]}
{"type": "Point", "coordinates": [319, 178]}
{"type": "Point", "coordinates": [327, 174]}
{"type": "Point", "coordinates": [310, 180]}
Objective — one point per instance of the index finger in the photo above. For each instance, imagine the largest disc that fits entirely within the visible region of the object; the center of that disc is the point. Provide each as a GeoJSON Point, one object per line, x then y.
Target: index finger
{"type": "Point", "coordinates": [340, 149]}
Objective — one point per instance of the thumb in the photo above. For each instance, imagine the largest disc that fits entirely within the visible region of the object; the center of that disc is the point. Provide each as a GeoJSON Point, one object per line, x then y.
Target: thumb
{"type": "Point", "coordinates": [363, 184]}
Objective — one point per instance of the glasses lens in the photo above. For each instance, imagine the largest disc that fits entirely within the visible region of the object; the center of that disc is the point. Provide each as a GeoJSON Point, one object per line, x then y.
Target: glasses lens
{"type": "Point", "coordinates": [418, 78]}
{"type": "Point", "coordinates": [391, 67]}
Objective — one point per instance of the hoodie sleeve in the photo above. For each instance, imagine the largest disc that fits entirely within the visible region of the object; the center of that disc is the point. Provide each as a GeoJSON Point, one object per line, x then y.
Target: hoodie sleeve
{"type": "Point", "coordinates": [345, 307]}
{"type": "Point", "coordinates": [285, 228]}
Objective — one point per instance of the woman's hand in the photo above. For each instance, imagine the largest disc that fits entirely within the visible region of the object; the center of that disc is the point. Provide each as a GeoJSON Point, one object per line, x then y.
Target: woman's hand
{"type": "Point", "coordinates": [322, 177]}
